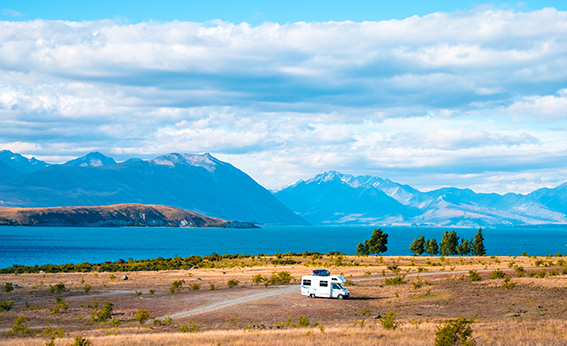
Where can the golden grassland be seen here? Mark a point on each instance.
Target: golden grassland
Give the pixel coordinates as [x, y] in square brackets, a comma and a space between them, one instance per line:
[437, 289]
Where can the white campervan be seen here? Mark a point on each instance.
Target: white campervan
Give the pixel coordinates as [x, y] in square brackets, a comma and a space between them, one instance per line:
[328, 286]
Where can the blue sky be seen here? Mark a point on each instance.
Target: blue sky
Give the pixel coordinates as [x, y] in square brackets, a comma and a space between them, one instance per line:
[431, 94]
[252, 12]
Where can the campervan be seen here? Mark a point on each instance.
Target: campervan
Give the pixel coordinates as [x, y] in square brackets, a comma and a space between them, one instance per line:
[328, 286]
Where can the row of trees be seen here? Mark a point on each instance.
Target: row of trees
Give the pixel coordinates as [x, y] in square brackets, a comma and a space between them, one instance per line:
[450, 245]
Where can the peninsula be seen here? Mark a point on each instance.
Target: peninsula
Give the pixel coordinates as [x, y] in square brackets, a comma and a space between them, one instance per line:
[119, 215]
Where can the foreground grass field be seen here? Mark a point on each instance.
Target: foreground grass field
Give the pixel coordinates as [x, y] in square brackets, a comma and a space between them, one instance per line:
[524, 303]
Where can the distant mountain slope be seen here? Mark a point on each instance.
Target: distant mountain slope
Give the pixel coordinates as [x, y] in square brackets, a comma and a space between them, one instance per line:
[112, 215]
[13, 165]
[199, 183]
[335, 198]
[94, 159]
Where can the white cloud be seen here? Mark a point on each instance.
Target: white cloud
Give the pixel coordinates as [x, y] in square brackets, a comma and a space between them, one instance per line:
[448, 95]
[544, 108]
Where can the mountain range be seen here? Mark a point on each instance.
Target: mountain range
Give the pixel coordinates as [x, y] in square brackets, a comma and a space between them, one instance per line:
[199, 183]
[208, 186]
[340, 199]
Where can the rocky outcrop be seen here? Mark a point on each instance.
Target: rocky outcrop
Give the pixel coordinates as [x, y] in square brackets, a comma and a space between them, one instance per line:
[119, 215]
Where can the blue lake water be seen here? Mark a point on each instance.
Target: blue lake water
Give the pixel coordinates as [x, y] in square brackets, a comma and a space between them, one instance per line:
[58, 245]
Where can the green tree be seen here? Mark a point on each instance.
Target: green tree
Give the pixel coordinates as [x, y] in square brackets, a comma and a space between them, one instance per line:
[449, 243]
[464, 248]
[375, 245]
[362, 249]
[431, 247]
[418, 246]
[478, 244]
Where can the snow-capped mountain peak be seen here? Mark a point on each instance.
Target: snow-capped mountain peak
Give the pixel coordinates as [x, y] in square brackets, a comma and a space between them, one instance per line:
[94, 159]
[206, 160]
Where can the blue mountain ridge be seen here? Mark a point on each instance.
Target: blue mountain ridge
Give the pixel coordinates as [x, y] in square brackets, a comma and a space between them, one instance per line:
[13, 165]
[341, 199]
[198, 183]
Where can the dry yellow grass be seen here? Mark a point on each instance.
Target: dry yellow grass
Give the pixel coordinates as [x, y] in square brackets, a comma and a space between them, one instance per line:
[549, 333]
[532, 313]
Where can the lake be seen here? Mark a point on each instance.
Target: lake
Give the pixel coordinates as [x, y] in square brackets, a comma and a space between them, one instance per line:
[58, 245]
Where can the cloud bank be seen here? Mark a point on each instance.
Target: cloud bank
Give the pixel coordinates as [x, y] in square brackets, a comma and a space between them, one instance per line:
[475, 98]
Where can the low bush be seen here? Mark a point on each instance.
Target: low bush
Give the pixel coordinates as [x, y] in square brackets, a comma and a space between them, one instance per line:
[6, 304]
[520, 271]
[497, 274]
[507, 284]
[348, 283]
[106, 312]
[57, 288]
[232, 283]
[454, 333]
[142, 316]
[176, 286]
[190, 327]
[8, 287]
[303, 321]
[397, 280]
[20, 325]
[541, 274]
[80, 341]
[474, 275]
[389, 321]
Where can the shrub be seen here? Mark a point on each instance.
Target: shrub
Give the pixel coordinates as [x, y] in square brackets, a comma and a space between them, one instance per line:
[258, 278]
[474, 275]
[80, 341]
[419, 282]
[284, 277]
[395, 280]
[232, 283]
[389, 321]
[6, 304]
[57, 308]
[454, 333]
[303, 321]
[176, 286]
[506, 285]
[87, 288]
[58, 288]
[190, 327]
[106, 313]
[541, 274]
[195, 287]
[348, 283]
[53, 333]
[520, 271]
[142, 316]
[8, 287]
[20, 325]
[212, 287]
[497, 274]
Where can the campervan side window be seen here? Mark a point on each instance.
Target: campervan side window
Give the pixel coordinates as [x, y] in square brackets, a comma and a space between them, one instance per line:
[306, 282]
[324, 284]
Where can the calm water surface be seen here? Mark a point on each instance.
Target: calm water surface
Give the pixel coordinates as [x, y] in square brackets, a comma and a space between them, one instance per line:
[57, 245]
